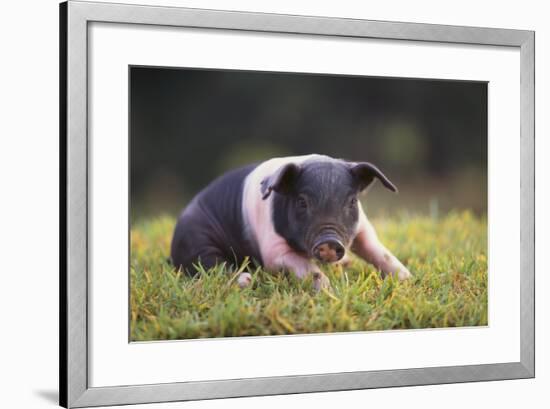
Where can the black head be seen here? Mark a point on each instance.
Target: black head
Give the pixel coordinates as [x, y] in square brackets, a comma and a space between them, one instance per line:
[315, 205]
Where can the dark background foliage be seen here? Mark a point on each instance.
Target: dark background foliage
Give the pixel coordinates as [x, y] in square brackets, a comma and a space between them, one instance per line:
[188, 126]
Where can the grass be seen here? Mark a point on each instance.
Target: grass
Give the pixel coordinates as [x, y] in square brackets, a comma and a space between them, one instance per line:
[447, 256]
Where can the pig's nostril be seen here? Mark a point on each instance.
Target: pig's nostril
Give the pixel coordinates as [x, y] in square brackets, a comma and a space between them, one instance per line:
[329, 251]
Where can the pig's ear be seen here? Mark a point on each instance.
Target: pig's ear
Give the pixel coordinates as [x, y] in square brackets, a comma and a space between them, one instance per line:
[281, 181]
[365, 173]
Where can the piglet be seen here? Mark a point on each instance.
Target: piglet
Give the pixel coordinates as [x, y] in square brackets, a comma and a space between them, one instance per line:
[284, 214]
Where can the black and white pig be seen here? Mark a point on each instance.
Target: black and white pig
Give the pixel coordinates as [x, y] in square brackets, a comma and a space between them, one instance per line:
[284, 213]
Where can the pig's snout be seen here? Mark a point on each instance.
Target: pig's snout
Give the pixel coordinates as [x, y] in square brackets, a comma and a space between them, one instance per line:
[329, 250]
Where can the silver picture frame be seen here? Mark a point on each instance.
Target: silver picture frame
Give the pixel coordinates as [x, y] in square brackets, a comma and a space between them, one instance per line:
[75, 16]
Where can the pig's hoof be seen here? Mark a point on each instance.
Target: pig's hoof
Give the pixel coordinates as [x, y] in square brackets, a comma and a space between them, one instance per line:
[320, 281]
[403, 274]
[244, 280]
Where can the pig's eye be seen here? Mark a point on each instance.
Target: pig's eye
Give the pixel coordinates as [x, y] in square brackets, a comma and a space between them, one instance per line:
[353, 202]
[301, 203]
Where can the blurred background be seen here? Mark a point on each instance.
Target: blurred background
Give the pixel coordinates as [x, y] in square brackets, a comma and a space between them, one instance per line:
[188, 126]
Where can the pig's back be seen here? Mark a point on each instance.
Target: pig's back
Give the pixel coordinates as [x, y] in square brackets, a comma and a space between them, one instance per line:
[219, 210]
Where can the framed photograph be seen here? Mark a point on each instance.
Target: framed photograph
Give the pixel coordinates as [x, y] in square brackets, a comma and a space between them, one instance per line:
[259, 204]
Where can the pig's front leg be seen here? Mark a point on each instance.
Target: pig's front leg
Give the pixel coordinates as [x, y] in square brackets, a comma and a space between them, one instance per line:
[367, 246]
[300, 266]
